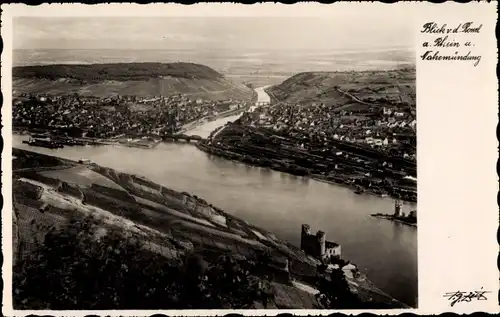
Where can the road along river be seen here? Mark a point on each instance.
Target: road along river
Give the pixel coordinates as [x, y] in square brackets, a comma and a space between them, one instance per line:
[385, 251]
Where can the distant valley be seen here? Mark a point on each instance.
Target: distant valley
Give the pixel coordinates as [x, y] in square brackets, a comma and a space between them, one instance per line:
[256, 67]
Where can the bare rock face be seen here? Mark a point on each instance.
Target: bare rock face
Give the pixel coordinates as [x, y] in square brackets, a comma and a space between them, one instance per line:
[204, 210]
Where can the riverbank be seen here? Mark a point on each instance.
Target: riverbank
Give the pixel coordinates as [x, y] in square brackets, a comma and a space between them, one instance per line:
[148, 142]
[299, 171]
[27, 131]
[344, 164]
[204, 225]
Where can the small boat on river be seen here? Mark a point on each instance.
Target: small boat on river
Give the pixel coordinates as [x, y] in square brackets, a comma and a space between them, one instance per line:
[46, 143]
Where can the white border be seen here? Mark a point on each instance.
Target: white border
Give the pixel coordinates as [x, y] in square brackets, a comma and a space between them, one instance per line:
[457, 147]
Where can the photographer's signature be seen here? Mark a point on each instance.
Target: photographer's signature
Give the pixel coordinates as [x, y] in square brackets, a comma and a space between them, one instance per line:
[461, 297]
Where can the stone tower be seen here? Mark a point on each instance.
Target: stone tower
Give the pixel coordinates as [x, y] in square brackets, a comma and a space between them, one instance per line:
[321, 236]
[397, 208]
[304, 237]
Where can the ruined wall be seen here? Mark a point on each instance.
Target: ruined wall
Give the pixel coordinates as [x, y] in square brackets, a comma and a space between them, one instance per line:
[311, 244]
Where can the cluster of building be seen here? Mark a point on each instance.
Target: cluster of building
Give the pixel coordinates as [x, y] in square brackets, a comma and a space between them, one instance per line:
[114, 116]
[391, 129]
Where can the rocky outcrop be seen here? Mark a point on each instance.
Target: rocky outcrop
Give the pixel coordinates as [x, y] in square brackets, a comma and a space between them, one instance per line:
[15, 237]
[194, 205]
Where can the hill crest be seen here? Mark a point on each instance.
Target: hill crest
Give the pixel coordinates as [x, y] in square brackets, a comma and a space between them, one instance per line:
[139, 79]
[347, 89]
[116, 71]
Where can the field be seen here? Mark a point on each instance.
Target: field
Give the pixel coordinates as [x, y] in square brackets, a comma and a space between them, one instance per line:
[348, 90]
[220, 89]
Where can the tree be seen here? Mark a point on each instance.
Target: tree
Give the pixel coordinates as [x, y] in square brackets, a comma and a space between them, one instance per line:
[80, 267]
[335, 292]
[232, 284]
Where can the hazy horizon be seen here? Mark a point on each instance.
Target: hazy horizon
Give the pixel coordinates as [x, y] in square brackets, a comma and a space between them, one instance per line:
[372, 49]
[233, 45]
[211, 33]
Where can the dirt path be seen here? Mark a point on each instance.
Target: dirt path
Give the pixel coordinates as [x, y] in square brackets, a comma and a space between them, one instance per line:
[356, 98]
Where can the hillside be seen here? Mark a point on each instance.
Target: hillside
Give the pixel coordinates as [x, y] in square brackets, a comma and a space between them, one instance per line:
[139, 79]
[103, 223]
[348, 90]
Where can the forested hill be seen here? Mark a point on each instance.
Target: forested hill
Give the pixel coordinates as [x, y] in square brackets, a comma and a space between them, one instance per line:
[140, 79]
[118, 72]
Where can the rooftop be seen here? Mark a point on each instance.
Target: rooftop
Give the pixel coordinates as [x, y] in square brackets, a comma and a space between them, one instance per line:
[330, 244]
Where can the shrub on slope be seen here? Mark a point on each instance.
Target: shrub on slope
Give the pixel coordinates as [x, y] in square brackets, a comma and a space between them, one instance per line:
[77, 268]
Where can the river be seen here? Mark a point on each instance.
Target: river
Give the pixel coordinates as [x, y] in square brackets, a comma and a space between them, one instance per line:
[385, 251]
[262, 96]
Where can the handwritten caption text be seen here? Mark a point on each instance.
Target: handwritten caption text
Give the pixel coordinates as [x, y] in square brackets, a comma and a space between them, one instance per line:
[450, 43]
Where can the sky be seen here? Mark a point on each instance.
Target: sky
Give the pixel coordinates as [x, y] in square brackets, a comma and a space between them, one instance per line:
[342, 29]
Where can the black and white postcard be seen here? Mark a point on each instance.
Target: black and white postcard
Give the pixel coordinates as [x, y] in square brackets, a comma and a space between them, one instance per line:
[258, 159]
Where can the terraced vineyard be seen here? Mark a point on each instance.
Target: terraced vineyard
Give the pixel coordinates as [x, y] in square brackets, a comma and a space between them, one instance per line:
[138, 79]
[167, 223]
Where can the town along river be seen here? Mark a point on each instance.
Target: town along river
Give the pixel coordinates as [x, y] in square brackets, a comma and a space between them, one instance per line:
[280, 203]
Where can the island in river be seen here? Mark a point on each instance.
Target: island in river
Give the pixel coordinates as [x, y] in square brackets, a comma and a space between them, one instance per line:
[399, 215]
[49, 192]
[402, 219]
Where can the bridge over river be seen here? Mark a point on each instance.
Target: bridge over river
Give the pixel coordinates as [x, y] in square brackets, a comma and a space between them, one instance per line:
[204, 130]
[263, 99]
[182, 138]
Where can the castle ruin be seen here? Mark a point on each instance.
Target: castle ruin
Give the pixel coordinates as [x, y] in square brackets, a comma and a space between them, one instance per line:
[317, 245]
